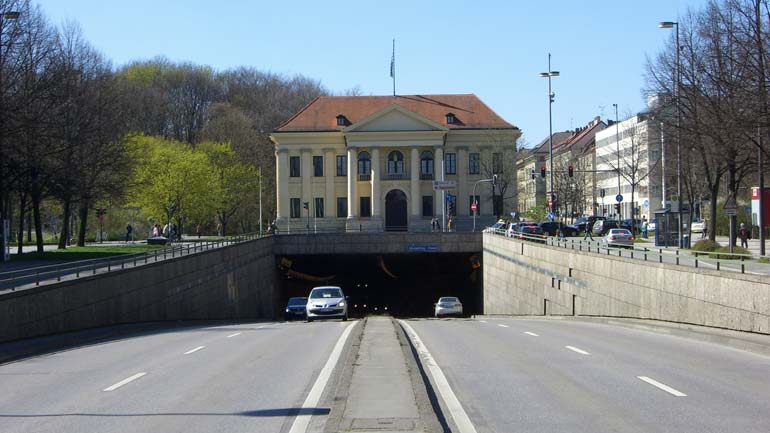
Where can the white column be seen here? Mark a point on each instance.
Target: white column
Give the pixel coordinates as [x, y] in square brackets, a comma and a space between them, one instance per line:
[352, 180]
[438, 158]
[414, 174]
[330, 172]
[375, 197]
[282, 180]
[463, 201]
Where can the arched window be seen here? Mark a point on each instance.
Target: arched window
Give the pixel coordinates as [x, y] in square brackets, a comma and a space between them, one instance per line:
[395, 162]
[426, 163]
[364, 163]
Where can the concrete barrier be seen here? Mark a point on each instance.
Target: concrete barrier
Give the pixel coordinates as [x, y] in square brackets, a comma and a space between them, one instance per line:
[525, 278]
[233, 282]
[377, 243]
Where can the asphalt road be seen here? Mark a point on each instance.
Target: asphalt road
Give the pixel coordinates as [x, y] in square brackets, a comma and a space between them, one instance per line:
[531, 375]
[237, 378]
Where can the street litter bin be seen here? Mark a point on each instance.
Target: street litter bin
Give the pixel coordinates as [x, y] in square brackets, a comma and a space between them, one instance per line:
[685, 241]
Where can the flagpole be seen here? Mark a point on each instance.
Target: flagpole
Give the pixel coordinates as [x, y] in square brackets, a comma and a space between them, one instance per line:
[393, 67]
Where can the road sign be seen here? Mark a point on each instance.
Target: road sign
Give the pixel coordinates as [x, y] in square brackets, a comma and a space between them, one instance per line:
[731, 211]
[646, 203]
[619, 198]
[473, 207]
[550, 216]
[444, 184]
[731, 204]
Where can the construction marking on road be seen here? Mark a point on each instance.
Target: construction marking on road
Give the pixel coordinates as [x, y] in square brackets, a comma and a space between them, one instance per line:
[575, 349]
[662, 386]
[234, 335]
[302, 421]
[531, 333]
[456, 410]
[125, 381]
[194, 350]
[504, 326]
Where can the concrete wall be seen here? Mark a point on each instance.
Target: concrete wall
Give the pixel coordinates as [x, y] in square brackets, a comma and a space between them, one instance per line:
[524, 278]
[235, 282]
[377, 243]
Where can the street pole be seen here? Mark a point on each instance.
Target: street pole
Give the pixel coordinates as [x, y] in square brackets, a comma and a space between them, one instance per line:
[668, 25]
[443, 199]
[617, 144]
[761, 212]
[663, 166]
[551, 96]
[260, 200]
[476, 201]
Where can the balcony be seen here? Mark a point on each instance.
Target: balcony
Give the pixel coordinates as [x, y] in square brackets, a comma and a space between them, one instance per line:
[395, 176]
[426, 176]
[364, 177]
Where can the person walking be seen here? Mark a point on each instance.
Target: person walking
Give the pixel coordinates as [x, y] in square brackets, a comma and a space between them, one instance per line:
[705, 232]
[129, 231]
[644, 228]
[743, 233]
[588, 232]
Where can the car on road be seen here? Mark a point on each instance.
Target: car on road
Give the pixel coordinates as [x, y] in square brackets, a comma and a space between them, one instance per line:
[697, 225]
[550, 228]
[651, 226]
[619, 238]
[526, 230]
[448, 306]
[295, 308]
[497, 227]
[326, 302]
[601, 227]
[581, 223]
[637, 224]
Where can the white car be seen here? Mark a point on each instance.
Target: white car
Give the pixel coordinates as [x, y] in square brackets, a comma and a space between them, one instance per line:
[326, 302]
[619, 238]
[651, 226]
[697, 226]
[448, 305]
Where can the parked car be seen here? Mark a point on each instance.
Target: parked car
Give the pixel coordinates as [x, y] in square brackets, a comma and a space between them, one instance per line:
[448, 306]
[550, 227]
[602, 226]
[295, 308]
[496, 227]
[697, 225]
[651, 226]
[326, 302]
[513, 228]
[581, 223]
[527, 231]
[619, 238]
[637, 224]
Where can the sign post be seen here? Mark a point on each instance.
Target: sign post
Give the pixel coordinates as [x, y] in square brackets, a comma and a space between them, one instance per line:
[731, 210]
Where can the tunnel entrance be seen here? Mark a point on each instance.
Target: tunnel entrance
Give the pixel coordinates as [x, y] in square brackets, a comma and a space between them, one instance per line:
[403, 285]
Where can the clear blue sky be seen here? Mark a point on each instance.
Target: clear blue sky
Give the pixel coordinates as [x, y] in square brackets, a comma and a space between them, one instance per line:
[494, 49]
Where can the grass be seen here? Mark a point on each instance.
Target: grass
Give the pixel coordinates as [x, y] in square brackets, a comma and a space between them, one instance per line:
[763, 260]
[723, 253]
[88, 252]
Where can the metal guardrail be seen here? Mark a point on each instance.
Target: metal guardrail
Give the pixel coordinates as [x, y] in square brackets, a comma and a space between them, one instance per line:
[661, 255]
[12, 280]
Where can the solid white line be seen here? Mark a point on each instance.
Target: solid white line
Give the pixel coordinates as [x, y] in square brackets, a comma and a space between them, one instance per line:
[575, 349]
[662, 386]
[234, 335]
[503, 326]
[456, 410]
[125, 381]
[194, 350]
[531, 333]
[302, 421]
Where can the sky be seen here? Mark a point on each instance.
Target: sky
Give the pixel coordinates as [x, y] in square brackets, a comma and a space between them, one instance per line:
[494, 49]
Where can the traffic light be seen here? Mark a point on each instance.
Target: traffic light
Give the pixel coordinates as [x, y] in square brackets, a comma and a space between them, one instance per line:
[571, 171]
[306, 205]
[542, 171]
[601, 193]
[451, 208]
[617, 208]
[533, 173]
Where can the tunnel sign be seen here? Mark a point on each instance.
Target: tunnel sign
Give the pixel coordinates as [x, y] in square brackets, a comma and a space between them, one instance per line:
[444, 184]
[423, 248]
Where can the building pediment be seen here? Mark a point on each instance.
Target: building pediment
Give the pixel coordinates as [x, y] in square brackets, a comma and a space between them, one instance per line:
[396, 119]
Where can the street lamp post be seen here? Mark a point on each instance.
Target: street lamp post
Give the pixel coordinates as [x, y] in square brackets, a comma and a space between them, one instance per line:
[476, 202]
[551, 95]
[668, 25]
[617, 144]
[5, 225]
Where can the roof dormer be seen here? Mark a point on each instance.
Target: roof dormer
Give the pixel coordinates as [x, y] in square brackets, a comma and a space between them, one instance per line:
[342, 120]
[450, 119]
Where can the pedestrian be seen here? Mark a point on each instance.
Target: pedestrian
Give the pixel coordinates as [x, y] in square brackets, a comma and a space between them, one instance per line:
[588, 232]
[450, 224]
[129, 231]
[705, 232]
[199, 230]
[743, 233]
[433, 224]
[645, 228]
[155, 231]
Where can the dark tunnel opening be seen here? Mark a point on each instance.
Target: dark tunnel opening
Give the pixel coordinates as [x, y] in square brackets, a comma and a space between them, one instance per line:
[402, 285]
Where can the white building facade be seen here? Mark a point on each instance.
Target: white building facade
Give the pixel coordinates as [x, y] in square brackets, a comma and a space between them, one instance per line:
[368, 163]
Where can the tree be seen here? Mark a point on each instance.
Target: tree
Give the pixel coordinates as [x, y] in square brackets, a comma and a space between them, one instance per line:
[501, 162]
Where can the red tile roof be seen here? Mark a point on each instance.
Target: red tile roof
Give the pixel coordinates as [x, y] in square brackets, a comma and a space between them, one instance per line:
[321, 113]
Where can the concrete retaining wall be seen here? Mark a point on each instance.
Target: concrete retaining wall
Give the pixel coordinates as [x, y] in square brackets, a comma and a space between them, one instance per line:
[525, 278]
[377, 243]
[234, 282]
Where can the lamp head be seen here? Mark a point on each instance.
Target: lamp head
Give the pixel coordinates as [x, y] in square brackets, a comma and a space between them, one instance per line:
[666, 24]
[11, 15]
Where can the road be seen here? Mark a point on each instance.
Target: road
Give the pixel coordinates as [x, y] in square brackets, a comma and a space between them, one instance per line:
[514, 375]
[238, 378]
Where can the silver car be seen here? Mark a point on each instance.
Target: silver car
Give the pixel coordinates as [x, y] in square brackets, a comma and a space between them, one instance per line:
[326, 302]
[448, 305]
[619, 238]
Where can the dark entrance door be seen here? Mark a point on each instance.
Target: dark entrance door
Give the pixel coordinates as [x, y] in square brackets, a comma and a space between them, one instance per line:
[395, 211]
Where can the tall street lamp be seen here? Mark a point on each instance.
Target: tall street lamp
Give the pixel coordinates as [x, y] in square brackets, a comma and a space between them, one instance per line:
[551, 95]
[5, 225]
[668, 25]
[617, 145]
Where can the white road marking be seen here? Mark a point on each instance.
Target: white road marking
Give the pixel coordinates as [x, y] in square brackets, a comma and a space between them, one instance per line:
[503, 326]
[575, 349]
[302, 421]
[234, 335]
[456, 410]
[194, 350]
[662, 386]
[125, 381]
[483, 321]
[531, 333]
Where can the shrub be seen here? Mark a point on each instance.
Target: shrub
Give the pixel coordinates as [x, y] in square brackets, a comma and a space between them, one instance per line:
[726, 250]
[706, 245]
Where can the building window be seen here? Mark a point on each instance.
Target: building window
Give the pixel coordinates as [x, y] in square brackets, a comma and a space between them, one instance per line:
[319, 207]
[473, 163]
[366, 206]
[318, 166]
[342, 120]
[294, 166]
[451, 163]
[427, 205]
[342, 207]
[364, 163]
[475, 199]
[450, 118]
[342, 165]
[426, 165]
[295, 209]
[497, 163]
[395, 162]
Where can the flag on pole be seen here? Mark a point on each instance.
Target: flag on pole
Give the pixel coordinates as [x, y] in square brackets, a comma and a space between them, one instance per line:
[393, 61]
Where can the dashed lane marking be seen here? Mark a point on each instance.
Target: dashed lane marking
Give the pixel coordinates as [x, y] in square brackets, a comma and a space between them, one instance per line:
[503, 326]
[662, 386]
[575, 349]
[125, 381]
[531, 333]
[234, 335]
[194, 350]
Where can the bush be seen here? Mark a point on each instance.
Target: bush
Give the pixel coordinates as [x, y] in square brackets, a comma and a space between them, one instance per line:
[726, 251]
[706, 245]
